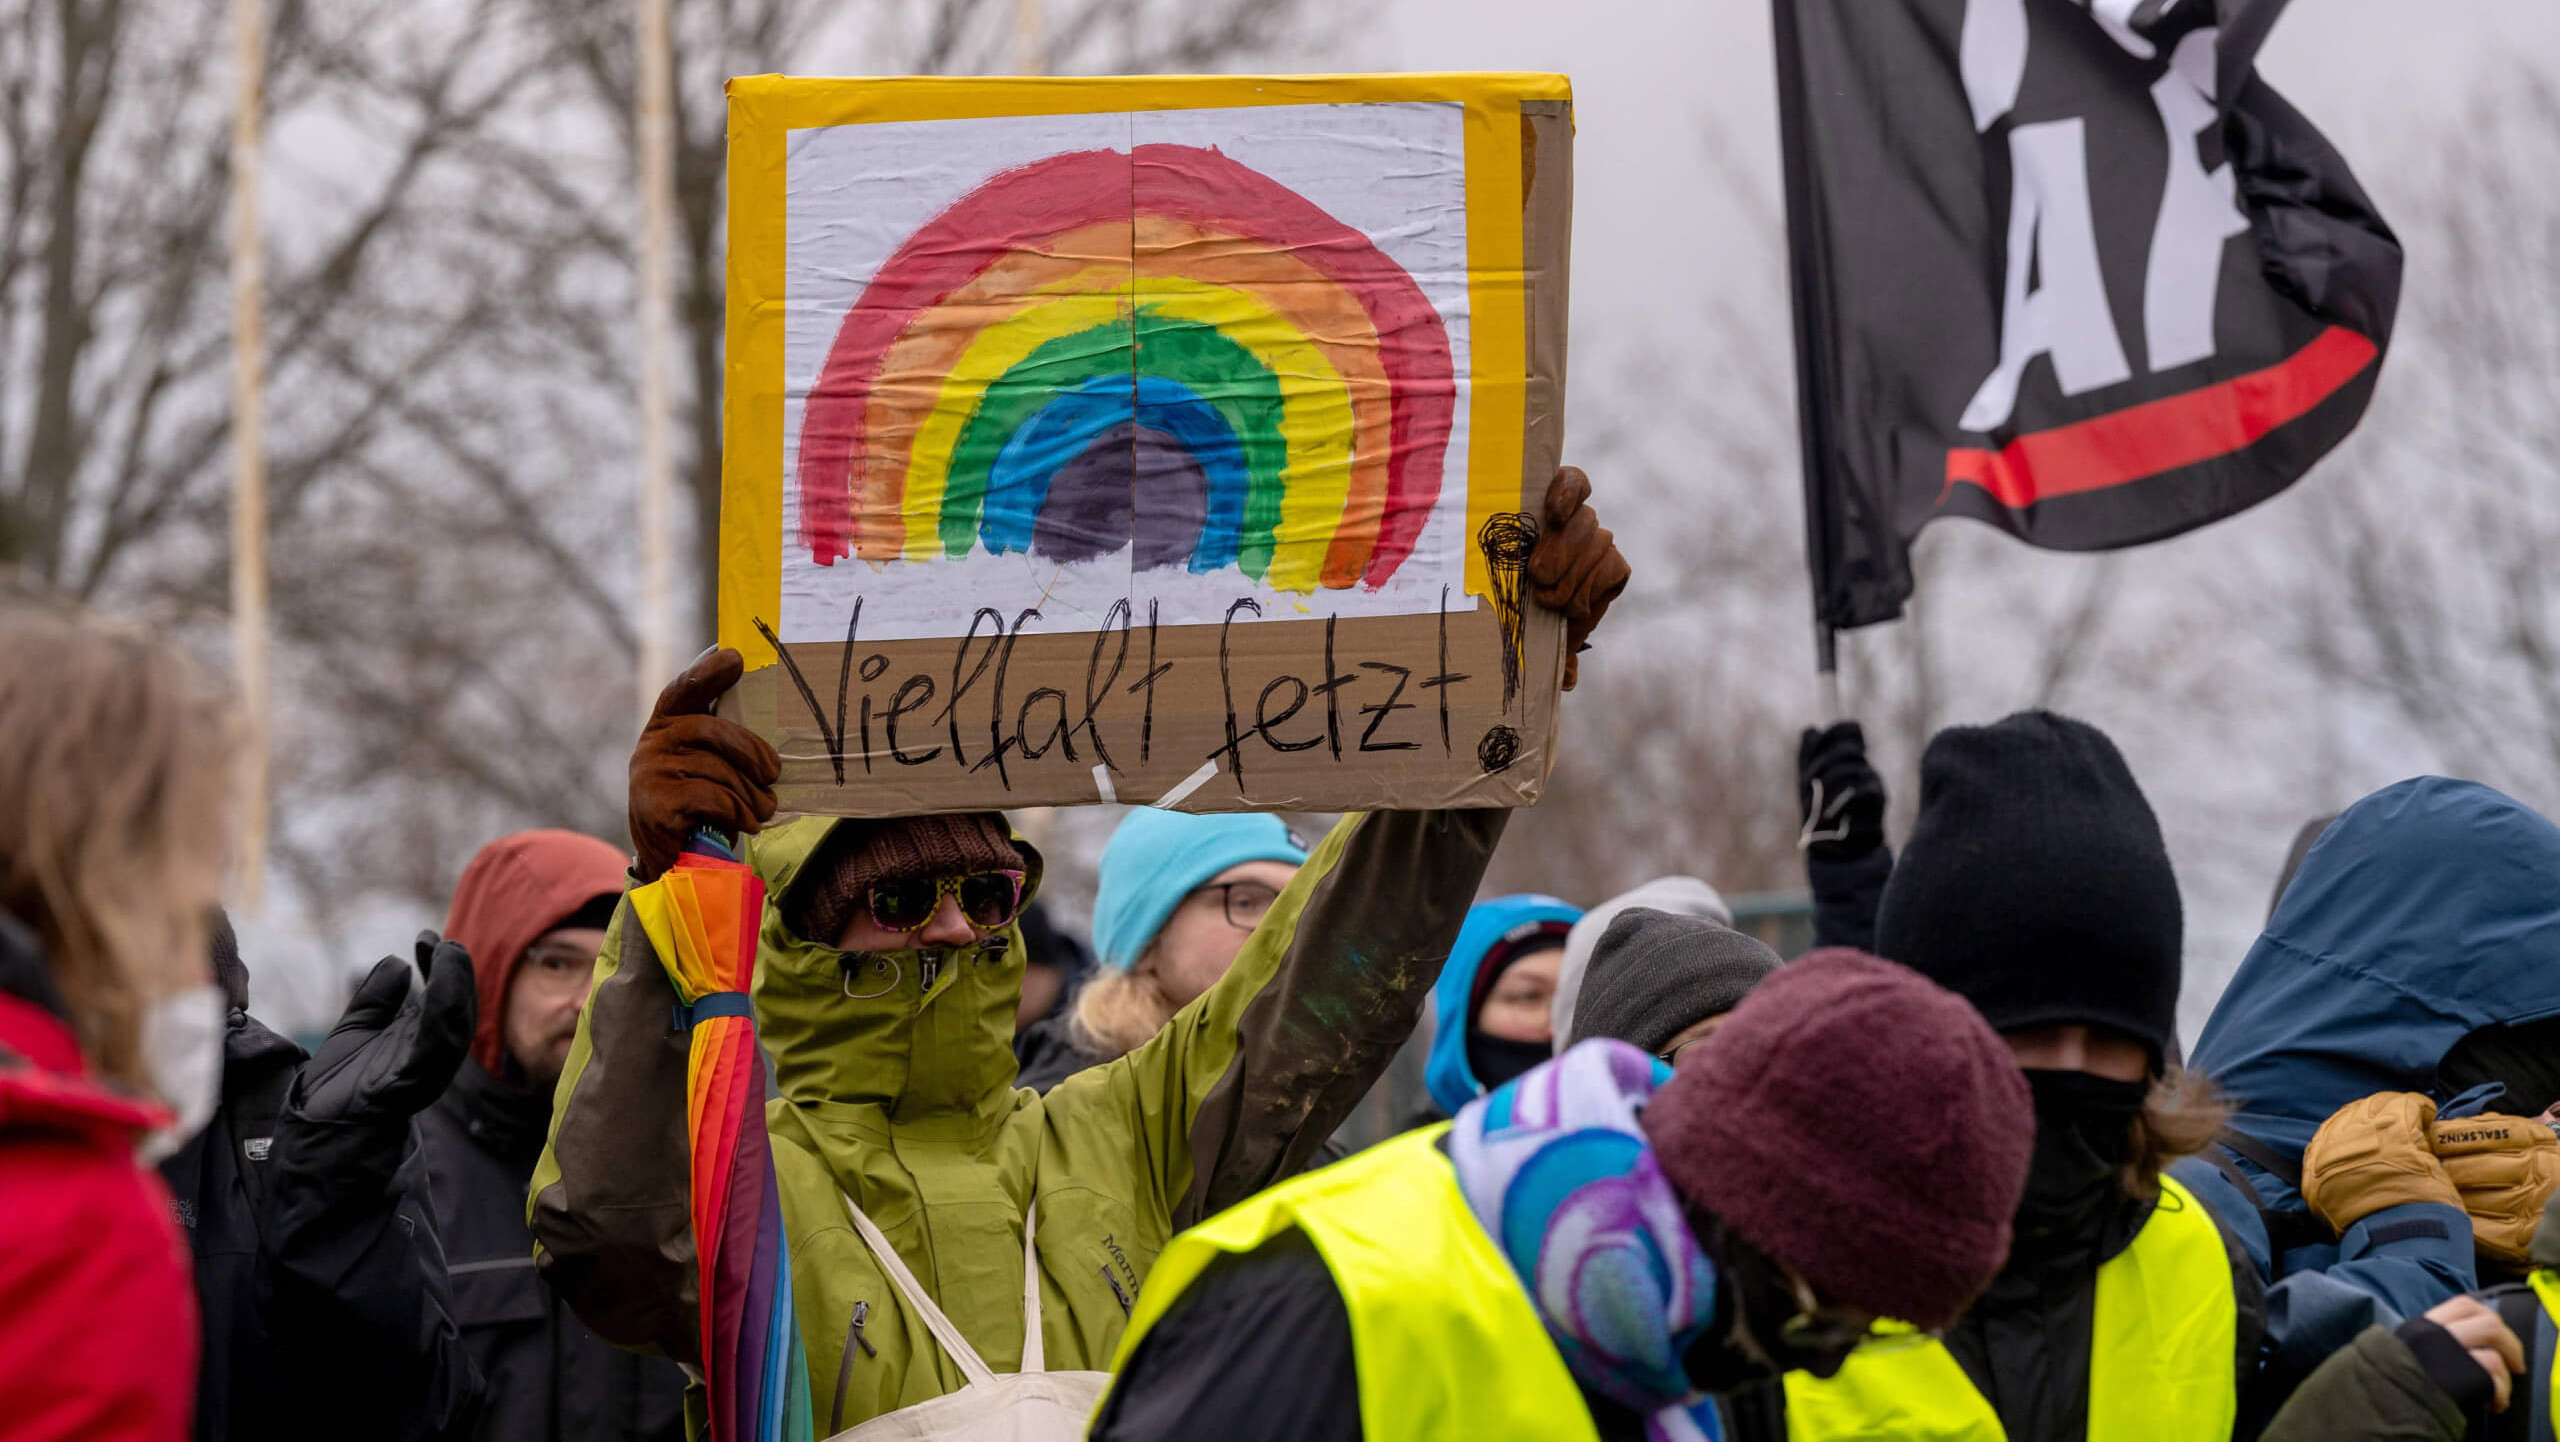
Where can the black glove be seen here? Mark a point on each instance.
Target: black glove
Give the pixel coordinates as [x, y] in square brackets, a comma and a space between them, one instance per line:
[1839, 794]
[393, 1052]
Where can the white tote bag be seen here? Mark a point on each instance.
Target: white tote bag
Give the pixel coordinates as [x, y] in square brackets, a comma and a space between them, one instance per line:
[1032, 1405]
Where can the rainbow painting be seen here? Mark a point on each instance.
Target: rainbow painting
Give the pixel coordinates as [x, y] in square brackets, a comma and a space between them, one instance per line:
[1170, 358]
[1163, 350]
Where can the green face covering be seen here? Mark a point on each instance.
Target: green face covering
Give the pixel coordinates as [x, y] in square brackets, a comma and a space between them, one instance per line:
[931, 1027]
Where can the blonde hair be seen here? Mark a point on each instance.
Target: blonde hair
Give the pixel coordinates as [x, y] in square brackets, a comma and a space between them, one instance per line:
[113, 797]
[2183, 1114]
[1117, 1012]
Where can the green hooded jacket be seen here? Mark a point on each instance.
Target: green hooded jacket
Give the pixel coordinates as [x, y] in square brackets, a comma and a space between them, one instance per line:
[896, 1077]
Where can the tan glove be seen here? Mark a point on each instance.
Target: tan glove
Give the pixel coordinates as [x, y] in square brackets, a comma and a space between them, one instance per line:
[2505, 1168]
[2372, 1154]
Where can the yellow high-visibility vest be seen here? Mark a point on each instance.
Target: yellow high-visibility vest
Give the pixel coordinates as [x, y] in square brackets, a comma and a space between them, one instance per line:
[1446, 1342]
[2162, 1355]
[2546, 1285]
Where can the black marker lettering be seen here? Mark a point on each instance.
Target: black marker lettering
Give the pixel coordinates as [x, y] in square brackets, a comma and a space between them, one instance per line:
[1234, 749]
[1263, 720]
[1061, 734]
[1378, 714]
[1147, 683]
[899, 706]
[1095, 695]
[960, 688]
[1332, 684]
[1445, 678]
[833, 736]
[844, 677]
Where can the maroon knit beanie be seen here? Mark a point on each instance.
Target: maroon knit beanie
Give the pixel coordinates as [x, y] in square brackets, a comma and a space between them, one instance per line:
[835, 884]
[1861, 1124]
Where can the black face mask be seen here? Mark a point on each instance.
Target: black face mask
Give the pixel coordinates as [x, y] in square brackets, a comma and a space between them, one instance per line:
[2084, 1135]
[1496, 1060]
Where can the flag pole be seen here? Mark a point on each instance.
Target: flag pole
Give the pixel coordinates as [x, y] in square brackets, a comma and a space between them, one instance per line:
[656, 131]
[1820, 526]
[248, 443]
[1826, 676]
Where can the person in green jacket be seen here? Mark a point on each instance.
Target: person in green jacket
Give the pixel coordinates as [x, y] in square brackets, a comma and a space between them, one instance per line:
[892, 1055]
[2476, 1368]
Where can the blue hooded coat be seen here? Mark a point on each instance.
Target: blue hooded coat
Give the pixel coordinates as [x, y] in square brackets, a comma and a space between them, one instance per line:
[2426, 911]
[1492, 928]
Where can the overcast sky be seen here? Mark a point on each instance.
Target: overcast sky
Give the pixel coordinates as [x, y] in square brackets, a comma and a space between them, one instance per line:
[1653, 78]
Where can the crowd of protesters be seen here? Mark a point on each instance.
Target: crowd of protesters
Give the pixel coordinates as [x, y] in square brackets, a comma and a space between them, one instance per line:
[1949, 1175]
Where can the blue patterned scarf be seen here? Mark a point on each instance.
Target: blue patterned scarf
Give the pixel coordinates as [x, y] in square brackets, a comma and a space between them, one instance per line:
[1558, 1171]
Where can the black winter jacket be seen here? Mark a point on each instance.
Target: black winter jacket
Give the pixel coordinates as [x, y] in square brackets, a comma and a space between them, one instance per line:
[550, 1379]
[1046, 1054]
[349, 1319]
[1846, 896]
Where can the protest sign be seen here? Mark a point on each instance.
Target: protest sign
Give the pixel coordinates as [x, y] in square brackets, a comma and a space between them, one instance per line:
[1167, 440]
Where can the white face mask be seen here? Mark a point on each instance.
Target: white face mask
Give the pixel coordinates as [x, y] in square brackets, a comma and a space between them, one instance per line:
[182, 1048]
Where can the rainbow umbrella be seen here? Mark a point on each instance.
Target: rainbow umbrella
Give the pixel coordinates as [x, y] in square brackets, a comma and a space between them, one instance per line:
[702, 916]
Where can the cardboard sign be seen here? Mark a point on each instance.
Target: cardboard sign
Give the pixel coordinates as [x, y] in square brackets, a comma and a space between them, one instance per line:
[1173, 441]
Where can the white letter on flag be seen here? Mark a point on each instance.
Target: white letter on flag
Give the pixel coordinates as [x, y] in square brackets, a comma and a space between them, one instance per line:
[2052, 234]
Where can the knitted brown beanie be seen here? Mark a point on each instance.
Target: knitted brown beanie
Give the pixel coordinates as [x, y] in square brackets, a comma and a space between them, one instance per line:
[1861, 1125]
[835, 885]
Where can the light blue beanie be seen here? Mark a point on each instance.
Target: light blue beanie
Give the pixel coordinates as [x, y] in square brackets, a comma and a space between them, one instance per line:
[1157, 858]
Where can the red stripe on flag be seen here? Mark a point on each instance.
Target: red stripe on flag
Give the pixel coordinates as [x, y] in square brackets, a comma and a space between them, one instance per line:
[2163, 435]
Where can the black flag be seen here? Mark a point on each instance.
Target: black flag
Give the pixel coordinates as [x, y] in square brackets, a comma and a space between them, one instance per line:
[2065, 266]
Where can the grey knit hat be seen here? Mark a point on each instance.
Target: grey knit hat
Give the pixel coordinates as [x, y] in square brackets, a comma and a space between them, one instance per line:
[1654, 975]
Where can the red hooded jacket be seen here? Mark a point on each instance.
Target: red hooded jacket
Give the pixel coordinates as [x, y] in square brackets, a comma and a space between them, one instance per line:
[97, 1296]
[516, 889]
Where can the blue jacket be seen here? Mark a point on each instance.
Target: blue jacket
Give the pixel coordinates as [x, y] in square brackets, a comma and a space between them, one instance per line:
[2427, 910]
[1448, 1075]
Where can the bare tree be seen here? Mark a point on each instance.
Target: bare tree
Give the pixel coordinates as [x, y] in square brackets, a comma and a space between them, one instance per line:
[487, 549]
[2429, 582]
[113, 331]
[451, 396]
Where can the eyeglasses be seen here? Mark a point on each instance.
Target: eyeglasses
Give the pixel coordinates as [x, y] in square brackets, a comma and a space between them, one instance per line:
[1245, 902]
[988, 899]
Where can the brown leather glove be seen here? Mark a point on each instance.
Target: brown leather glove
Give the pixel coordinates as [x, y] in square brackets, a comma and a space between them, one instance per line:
[1575, 569]
[2372, 1154]
[2505, 1168]
[693, 769]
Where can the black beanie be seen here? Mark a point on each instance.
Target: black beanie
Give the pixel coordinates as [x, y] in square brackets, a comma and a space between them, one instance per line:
[2035, 884]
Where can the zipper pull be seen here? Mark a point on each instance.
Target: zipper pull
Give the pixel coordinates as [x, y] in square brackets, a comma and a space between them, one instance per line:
[862, 1314]
[932, 968]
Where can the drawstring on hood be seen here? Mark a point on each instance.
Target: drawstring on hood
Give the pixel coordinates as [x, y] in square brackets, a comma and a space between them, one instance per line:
[942, 1017]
